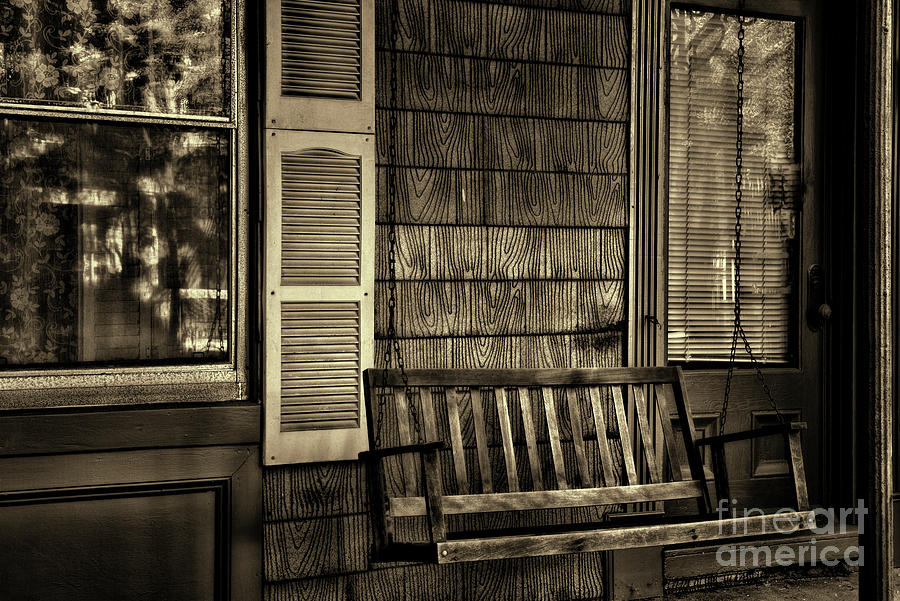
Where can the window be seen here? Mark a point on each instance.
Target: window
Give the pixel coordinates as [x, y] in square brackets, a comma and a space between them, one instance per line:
[701, 236]
[117, 183]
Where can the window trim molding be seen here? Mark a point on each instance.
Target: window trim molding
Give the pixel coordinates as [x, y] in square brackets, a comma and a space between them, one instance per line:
[647, 240]
[226, 380]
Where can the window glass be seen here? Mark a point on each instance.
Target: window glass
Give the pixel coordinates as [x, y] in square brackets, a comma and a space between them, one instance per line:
[162, 56]
[114, 242]
[703, 135]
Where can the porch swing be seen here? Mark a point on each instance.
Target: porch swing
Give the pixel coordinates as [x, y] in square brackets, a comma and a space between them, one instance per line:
[439, 413]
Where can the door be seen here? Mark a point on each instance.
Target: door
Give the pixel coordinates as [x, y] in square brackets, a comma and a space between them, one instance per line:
[780, 238]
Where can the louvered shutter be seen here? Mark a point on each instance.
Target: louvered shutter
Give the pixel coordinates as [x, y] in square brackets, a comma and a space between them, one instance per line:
[320, 57]
[702, 140]
[319, 278]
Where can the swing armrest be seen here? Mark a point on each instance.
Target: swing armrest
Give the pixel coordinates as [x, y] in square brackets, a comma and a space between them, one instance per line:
[402, 450]
[754, 433]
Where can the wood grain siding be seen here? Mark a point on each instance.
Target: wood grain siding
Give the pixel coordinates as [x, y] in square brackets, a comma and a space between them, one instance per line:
[512, 212]
[511, 171]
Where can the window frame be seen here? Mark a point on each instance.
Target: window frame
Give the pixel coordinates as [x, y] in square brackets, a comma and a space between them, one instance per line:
[781, 11]
[225, 380]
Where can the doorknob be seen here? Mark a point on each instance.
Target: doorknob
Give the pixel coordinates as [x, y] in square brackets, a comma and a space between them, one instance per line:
[818, 311]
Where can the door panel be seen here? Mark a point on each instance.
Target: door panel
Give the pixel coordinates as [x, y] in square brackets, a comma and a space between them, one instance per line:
[128, 522]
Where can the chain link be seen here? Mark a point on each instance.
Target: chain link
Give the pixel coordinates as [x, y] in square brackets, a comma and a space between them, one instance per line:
[738, 330]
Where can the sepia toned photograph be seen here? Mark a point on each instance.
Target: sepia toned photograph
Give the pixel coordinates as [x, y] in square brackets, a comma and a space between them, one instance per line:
[449, 300]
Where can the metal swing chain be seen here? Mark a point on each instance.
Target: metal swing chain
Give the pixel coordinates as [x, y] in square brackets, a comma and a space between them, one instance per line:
[392, 349]
[738, 330]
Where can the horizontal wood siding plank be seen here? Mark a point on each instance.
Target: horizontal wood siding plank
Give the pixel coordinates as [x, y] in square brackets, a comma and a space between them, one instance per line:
[505, 253]
[330, 588]
[483, 86]
[506, 143]
[314, 490]
[440, 196]
[427, 309]
[316, 547]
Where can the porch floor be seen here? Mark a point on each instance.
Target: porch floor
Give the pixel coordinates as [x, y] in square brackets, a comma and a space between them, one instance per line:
[787, 587]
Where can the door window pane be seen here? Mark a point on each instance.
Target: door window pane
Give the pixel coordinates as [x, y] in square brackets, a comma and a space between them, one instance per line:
[114, 242]
[703, 134]
[162, 56]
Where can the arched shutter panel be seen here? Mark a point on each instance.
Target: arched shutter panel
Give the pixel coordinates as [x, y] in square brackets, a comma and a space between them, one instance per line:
[318, 286]
[320, 65]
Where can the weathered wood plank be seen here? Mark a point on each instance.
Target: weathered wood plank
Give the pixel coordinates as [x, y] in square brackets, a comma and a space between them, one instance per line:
[429, 196]
[413, 252]
[458, 140]
[641, 412]
[559, 465]
[408, 461]
[798, 471]
[315, 547]
[504, 253]
[527, 377]
[624, 435]
[456, 441]
[484, 462]
[509, 453]
[447, 196]
[599, 414]
[508, 308]
[587, 39]
[425, 82]
[427, 404]
[503, 32]
[665, 403]
[313, 490]
[416, 25]
[686, 418]
[422, 352]
[575, 424]
[610, 538]
[328, 588]
[434, 506]
[550, 499]
[534, 460]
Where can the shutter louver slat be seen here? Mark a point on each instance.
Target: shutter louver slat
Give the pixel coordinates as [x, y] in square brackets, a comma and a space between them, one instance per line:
[702, 133]
[321, 48]
[309, 401]
[313, 226]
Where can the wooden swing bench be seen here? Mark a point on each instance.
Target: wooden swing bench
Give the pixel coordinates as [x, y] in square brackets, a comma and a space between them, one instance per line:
[574, 407]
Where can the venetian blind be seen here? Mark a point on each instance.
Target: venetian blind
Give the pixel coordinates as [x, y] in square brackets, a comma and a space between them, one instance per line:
[703, 133]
